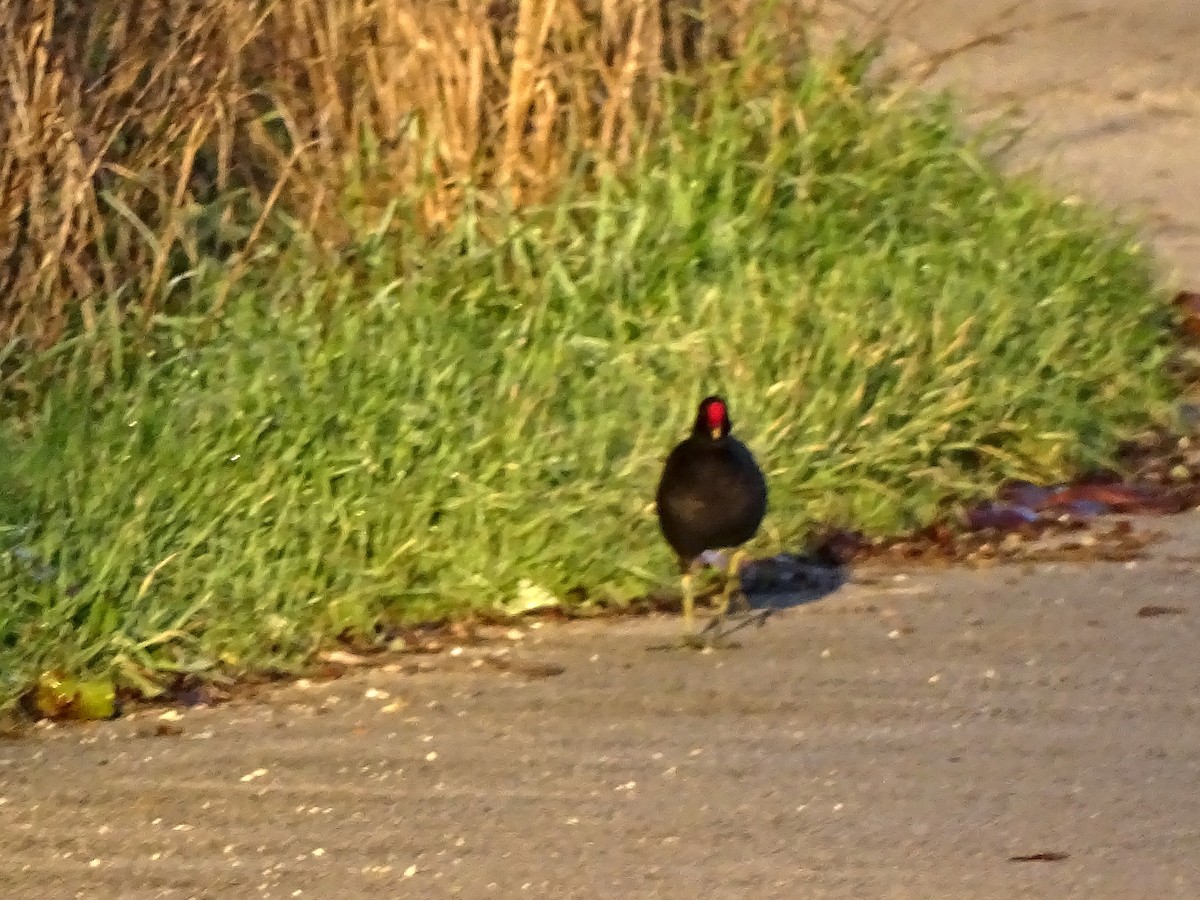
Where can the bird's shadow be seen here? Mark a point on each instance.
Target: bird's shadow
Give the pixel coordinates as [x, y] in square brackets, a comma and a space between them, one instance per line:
[778, 583]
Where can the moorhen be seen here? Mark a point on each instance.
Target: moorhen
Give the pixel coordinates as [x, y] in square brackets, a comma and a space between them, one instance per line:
[712, 496]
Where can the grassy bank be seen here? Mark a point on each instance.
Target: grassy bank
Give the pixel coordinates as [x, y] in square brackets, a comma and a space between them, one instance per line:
[413, 432]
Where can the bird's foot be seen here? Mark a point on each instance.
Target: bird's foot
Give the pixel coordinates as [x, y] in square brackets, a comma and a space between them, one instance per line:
[723, 625]
[715, 637]
[702, 641]
[692, 641]
[719, 642]
[710, 639]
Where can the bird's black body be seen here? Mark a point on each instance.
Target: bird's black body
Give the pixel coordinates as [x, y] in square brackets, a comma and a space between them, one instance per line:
[712, 494]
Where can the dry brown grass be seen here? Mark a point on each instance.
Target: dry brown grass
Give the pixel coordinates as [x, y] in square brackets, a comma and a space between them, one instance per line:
[138, 139]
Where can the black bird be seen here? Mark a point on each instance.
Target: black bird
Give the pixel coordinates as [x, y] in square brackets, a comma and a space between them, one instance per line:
[712, 496]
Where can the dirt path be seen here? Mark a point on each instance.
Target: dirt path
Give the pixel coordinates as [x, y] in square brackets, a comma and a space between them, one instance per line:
[895, 740]
[904, 739]
[1109, 90]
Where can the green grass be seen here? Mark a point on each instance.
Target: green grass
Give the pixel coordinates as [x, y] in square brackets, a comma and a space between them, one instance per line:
[896, 325]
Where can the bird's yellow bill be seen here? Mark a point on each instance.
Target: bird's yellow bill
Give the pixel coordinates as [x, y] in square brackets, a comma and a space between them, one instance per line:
[716, 433]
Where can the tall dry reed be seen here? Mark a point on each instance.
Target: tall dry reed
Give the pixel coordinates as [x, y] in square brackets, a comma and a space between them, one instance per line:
[137, 140]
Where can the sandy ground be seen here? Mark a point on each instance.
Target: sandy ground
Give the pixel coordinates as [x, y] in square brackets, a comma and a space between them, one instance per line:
[1108, 90]
[902, 739]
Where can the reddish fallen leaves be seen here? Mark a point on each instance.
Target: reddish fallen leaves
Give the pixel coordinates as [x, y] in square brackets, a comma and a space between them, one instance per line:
[1000, 517]
[160, 730]
[1187, 305]
[1161, 477]
[526, 668]
[1015, 539]
[1101, 495]
[1023, 504]
[1049, 856]
[1151, 611]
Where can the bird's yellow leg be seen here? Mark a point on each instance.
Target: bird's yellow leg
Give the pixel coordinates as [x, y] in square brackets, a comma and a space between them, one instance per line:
[733, 585]
[687, 581]
[689, 602]
[690, 638]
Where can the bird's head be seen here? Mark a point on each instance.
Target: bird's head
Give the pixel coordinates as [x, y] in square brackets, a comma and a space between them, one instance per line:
[712, 418]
